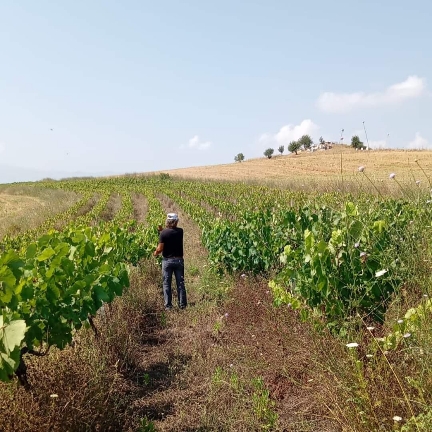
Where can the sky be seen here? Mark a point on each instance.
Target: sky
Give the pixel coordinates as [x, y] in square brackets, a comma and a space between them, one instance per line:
[101, 87]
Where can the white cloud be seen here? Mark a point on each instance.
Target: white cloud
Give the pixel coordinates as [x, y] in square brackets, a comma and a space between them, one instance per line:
[412, 87]
[195, 143]
[2, 147]
[419, 142]
[290, 133]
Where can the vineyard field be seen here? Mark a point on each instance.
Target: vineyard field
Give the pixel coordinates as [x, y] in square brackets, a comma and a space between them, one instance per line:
[343, 261]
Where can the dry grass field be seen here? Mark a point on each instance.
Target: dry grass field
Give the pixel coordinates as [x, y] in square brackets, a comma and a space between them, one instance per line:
[340, 162]
[23, 206]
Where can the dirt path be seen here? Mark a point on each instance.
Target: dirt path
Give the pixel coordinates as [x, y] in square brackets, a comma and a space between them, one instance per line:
[207, 366]
[140, 205]
[168, 343]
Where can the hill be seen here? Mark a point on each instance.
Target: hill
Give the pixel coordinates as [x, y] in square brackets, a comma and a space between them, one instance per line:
[323, 165]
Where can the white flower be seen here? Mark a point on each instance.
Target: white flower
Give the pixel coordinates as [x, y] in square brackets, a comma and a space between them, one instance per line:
[243, 275]
[370, 328]
[54, 396]
[397, 418]
[226, 315]
[352, 345]
[418, 182]
[357, 245]
[361, 168]
[425, 295]
[369, 355]
[362, 254]
[407, 335]
[380, 273]
[392, 175]
[231, 365]
[400, 321]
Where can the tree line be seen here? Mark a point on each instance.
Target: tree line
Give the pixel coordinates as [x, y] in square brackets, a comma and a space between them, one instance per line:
[303, 143]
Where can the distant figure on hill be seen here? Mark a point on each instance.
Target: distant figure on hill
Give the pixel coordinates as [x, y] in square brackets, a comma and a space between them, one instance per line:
[171, 247]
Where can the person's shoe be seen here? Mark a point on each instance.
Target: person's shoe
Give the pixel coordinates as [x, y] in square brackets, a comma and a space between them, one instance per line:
[168, 308]
[182, 307]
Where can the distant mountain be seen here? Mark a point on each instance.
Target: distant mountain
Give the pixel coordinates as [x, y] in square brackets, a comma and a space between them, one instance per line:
[9, 174]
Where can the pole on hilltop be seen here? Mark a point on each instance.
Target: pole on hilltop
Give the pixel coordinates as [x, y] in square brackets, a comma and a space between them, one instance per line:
[366, 135]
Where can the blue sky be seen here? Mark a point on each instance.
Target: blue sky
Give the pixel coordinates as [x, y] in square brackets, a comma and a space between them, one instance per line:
[138, 86]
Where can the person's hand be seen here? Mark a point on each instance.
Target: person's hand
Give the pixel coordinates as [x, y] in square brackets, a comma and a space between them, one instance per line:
[155, 253]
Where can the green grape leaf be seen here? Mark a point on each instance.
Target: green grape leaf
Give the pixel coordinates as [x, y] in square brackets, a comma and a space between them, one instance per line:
[46, 254]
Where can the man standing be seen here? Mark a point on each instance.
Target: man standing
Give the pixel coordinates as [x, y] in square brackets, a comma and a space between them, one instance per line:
[171, 247]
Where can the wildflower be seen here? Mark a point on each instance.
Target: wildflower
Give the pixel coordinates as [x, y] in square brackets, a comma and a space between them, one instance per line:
[357, 245]
[243, 275]
[392, 176]
[400, 321]
[418, 182]
[370, 328]
[397, 418]
[231, 365]
[380, 273]
[369, 355]
[362, 254]
[407, 335]
[226, 315]
[425, 295]
[54, 396]
[352, 345]
[361, 168]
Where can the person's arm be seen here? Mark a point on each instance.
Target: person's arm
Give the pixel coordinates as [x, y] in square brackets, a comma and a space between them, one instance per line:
[159, 249]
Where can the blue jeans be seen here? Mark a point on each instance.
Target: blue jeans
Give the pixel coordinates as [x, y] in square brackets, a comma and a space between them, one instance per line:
[176, 266]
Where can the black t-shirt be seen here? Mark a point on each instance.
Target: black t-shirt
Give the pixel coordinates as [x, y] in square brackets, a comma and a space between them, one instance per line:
[172, 238]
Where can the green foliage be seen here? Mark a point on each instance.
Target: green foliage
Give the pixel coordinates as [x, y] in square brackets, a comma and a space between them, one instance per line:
[419, 423]
[269, 153]
[12, 332]
[146, 425]
[356, 143]
[263, 406]
[239, 157]
[164, 176]
[294, 146]
[281, 149]
[407, 327]
[306, 142]
[345, 264]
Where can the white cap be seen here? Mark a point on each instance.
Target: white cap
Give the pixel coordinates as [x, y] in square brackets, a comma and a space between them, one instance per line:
[172, 217]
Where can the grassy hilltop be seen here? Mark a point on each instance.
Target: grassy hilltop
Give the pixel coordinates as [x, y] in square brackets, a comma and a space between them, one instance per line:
[323, 165]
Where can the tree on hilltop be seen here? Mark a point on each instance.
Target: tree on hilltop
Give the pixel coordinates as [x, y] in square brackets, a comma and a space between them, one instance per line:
[269, 153]
[281, 149]
[294, 147]
[239, 158]
[306, 142]
[356, 143]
